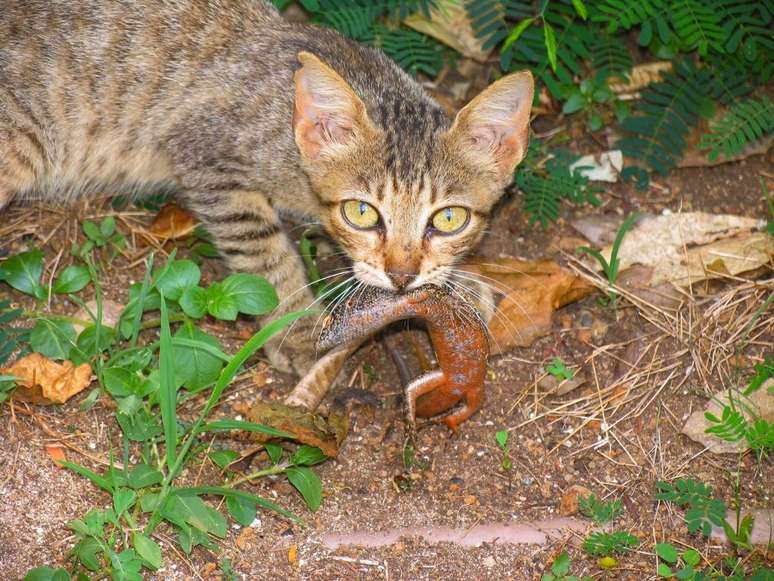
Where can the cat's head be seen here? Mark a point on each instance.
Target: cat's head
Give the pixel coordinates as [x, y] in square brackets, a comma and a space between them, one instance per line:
[403, 189]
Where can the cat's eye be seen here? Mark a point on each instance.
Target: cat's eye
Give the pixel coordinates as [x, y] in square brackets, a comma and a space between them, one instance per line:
[450, 220]
[360, 214]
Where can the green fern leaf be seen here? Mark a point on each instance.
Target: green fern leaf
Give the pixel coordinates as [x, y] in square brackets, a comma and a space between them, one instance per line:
[609, 56]
[747, 25]
[698, 26]
[413, 51]
[12, 339]
[626, 14]
[746, 122]
[353, 18]
[668, 110]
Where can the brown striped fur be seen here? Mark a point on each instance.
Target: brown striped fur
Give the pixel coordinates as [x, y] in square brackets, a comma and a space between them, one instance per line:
[197, 96]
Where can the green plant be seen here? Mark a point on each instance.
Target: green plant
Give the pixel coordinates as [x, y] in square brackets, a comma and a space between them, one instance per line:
[703, 509]
[560, 570]
[607, 544]
[558, 369]
[12, 339]
[668, 557]
[99, 237]
[501, 437]
[611, 268]
[600, 511]
[745, 122]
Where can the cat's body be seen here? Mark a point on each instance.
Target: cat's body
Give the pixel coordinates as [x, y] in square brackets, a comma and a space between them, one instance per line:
[198, 96]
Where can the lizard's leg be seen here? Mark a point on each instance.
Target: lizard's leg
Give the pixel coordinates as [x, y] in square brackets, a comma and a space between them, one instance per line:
[420, 386]
[474, 398]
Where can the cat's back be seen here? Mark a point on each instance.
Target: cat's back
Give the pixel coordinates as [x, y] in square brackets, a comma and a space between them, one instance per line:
[96, 85]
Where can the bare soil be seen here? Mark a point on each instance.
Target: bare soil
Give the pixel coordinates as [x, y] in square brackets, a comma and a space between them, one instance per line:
[455, 481]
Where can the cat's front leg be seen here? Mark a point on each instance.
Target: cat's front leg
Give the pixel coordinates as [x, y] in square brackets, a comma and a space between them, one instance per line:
[249, 235]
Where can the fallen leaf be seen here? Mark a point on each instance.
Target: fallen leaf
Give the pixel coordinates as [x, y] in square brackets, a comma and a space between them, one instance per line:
[172, 222]
[293, 555]
[568, 505]
[40, 380]
[760, 404]
[600, 167]
[554, 386]
[449, 22]
[532, 291]
[111, 313]
[307, 428]
[639, 77]
[694, 246]
[56, 453]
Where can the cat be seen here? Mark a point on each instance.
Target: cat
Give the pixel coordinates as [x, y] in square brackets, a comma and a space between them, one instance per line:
[248, 117]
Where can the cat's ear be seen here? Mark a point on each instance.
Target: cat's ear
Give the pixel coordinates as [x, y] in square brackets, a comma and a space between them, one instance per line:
[494, 126]
[328, 114]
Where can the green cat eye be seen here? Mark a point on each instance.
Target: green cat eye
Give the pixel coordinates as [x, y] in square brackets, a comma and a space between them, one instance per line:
[360, 214]
[450, 220]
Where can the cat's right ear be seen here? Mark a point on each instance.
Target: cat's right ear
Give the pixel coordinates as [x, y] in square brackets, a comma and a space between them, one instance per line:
[328, 115]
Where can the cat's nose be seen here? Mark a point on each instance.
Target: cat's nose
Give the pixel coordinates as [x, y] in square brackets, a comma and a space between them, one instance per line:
[401, 279]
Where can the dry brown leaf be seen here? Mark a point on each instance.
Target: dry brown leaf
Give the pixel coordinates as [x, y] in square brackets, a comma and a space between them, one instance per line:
[532, 291]
[40, 380]
[689, 247]
[56, 453]
[568, 505]
[449, 23]
[640, 77]
[172, 222]
[306, 427]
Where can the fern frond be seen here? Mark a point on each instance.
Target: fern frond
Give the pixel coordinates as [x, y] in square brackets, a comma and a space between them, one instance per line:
[747, 25]
[399, 9]
[746, 122]
[413, 51]
[698, 26]
[668, 110]
[353, 18]
[626, 13]
[609, 56]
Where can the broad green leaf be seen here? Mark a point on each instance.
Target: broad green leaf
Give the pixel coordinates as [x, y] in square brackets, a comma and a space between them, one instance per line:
[308, 484]
[108, 226]
[663, 570]
[308, 456]
[73, 278]
[692, 557]
[222, 458]
[123, 500]
[140, 426]
[47, 574]
[252, 294]
[195, 512]
[274, 451]
[93, 232]
[177, 277]
[23, 271]
[126, 566]
[231, 492]
[243, 511]
[502, 438]
[195, 367]
[580, 8]
[574, 103]
[53, 338]
[561, 566]
[148, 550]
[87, 340]
[142, 476]
[194, 302]
[120, 382]
[667, 552]
[221, 305]
[89, 553]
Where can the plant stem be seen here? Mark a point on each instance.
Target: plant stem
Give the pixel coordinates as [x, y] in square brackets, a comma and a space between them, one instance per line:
[277, 469]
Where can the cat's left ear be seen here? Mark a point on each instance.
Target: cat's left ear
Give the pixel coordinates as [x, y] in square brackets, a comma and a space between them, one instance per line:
[328, 115]
[494, 126]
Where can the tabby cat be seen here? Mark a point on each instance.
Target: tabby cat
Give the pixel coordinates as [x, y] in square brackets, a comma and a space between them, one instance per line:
[248, 118]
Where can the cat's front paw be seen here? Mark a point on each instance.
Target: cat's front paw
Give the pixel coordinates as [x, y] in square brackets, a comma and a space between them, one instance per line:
[295, 354]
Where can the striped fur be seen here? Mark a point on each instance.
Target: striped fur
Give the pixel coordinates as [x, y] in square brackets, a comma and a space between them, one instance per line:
[197, 96]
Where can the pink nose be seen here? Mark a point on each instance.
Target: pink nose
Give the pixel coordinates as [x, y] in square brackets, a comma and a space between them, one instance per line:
[401, 279]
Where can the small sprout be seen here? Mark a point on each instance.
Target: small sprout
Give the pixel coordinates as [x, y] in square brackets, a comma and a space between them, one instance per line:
[600, 511]
[502, 441]
[558, 369]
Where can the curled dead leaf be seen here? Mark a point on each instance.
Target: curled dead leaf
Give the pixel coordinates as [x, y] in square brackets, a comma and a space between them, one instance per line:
[449, 22]
[307, 428]
[56, 453]
[532, 291]
[40, 380]
[172, 222]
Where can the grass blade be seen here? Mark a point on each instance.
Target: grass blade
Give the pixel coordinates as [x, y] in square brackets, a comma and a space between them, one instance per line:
[246, 426]
[233, 493]
[167, 389]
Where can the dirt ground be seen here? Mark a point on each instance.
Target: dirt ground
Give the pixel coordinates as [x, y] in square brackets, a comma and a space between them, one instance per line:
[456, 482]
